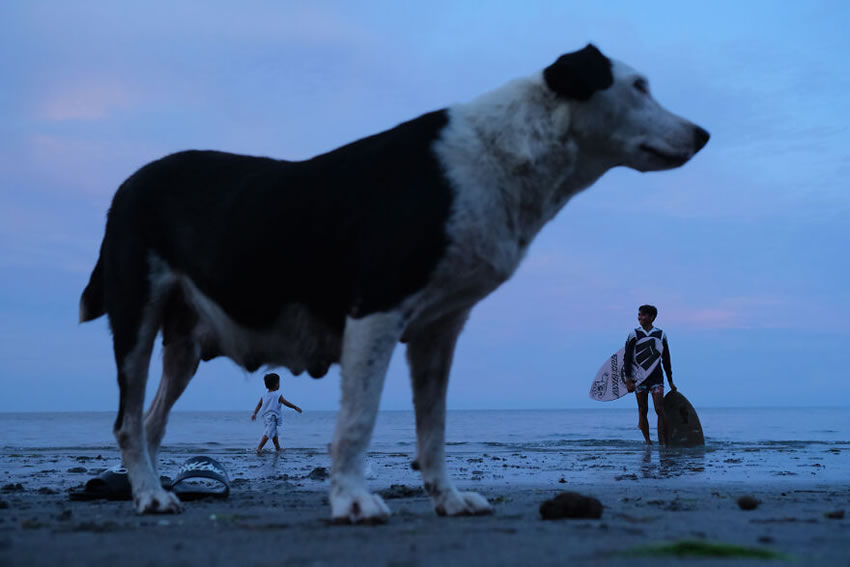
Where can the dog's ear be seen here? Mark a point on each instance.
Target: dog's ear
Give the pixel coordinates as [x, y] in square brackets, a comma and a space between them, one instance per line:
[579, 74]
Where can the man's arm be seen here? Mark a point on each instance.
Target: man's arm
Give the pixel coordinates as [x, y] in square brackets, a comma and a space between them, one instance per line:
[285, 402]
[628, 358]
[256, 409]
[665, 362]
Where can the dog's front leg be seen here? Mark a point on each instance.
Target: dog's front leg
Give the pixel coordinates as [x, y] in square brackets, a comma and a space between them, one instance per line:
[430, 357]
[368, 344]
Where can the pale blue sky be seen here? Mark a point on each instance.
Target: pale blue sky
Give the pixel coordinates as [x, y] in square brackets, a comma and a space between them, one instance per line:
[744, 250]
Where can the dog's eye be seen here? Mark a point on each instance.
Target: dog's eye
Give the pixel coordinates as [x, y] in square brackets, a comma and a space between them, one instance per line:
[642, 86]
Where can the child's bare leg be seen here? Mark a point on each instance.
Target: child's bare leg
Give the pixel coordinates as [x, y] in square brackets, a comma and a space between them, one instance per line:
[262, 443]
[658, 403]
[643, 409]
[276, 444]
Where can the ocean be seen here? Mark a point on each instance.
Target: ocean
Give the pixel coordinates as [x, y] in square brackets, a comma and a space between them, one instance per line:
[502, 447]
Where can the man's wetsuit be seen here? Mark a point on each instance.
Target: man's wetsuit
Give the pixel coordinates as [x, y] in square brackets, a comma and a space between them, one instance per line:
[648, 350]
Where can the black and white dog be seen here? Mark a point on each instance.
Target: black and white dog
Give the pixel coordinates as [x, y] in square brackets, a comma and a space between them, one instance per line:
[392, 238]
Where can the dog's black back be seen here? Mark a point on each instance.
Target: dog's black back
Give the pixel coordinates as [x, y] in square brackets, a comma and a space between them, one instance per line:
[347, 232]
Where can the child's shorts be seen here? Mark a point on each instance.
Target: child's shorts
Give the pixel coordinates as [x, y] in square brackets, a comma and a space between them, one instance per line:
[271, 422]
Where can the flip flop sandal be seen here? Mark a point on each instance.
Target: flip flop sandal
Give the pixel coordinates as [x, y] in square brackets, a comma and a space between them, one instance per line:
[201, 477]
[111, 484]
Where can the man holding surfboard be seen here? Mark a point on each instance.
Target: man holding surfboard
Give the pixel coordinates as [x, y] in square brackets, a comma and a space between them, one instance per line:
[646, 347]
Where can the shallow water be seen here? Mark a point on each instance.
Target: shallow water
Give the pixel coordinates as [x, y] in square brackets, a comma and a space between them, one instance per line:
[495, 447]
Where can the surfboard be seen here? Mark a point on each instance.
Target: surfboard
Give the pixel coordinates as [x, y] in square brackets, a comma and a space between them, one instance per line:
[610, 382]
[681, 421]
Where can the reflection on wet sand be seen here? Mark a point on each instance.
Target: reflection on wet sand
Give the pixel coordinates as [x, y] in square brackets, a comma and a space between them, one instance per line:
[671, 462]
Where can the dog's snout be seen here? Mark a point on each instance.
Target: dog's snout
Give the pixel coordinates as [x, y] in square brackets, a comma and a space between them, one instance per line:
[701, 137]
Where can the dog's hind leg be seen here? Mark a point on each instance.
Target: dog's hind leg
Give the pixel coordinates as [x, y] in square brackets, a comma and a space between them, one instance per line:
[148, 494]
[368, 344]
[134, 315]
[179, 364]
[181, 355]
[429, 355]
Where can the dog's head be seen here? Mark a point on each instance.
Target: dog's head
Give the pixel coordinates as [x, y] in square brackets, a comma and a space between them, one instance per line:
[614, 117]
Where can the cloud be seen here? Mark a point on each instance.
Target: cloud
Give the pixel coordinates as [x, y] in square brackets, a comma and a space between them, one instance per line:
[719, 317]
[89, 100]
[749, 312]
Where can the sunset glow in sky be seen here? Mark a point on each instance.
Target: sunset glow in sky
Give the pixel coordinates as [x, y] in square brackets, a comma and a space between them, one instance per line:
[744, 250]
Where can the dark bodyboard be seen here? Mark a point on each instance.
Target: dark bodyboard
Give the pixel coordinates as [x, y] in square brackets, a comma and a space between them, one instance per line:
[682, 422]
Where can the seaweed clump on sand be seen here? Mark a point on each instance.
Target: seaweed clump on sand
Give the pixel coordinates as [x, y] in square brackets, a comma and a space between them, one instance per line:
[702, 549]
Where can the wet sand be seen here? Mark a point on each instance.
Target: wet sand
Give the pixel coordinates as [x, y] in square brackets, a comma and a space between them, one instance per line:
[277, 515]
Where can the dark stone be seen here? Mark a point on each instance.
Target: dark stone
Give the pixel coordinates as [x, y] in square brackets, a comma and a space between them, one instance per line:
[318, 473]
[748, 502]
[401, 491]
[630, 476]
[571, 505]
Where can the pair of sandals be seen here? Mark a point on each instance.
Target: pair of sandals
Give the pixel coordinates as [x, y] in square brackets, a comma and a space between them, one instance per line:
[199, 477]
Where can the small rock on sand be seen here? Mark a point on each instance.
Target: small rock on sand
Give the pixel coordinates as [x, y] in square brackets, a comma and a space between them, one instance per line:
[748, 502]
[626, 477]
[318, 473]
[571, 505]
[401, 491]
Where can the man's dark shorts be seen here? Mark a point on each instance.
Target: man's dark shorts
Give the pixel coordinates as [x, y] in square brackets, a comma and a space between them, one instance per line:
[651, 388]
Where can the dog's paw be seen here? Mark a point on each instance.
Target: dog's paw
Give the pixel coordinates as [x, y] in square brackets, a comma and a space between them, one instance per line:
[454, 503]
[358, 507]
[157, 501]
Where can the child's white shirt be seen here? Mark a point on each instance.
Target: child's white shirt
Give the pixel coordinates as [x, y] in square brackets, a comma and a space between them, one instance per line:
[271, 403]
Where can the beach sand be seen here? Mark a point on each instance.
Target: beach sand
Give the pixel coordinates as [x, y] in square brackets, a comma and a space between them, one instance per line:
[284, 521]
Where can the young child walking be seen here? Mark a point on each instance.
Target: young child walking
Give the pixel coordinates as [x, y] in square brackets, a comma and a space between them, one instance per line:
[269, 408]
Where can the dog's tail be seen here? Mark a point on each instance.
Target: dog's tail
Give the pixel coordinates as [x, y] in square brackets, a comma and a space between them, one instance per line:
[92, 304]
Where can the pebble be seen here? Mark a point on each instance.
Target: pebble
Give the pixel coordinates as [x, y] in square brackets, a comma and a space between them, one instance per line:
[748, 502]
[318, 473]
[571, 505]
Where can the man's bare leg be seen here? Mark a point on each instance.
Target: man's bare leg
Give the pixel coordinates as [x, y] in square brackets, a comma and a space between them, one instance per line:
[643, 410]
[658, 403]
